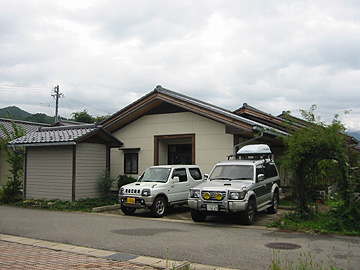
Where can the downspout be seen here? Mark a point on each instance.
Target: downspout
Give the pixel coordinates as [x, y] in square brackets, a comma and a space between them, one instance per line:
[248, 141]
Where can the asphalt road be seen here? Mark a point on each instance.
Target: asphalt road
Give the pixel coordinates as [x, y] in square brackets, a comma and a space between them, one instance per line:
[212, 243]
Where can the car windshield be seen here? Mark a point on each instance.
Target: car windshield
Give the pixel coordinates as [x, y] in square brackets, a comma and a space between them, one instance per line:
[232, 172]
[155, 175]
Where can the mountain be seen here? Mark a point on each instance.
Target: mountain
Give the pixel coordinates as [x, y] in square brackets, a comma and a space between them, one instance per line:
[19, 114]
[355, 134]
[15, 112]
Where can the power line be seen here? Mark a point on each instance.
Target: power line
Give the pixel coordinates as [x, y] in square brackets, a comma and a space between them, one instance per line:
[86, 105]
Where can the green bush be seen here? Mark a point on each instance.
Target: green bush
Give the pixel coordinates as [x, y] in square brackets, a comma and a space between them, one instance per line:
[11, 191]
[85, 205]
[344, 218]
[339, 219]
[124, 179]
[105, 183]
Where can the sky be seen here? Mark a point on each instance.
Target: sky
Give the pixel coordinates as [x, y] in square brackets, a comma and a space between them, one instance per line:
[105, 54]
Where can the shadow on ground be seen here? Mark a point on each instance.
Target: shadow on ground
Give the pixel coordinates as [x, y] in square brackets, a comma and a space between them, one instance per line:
[183, 213]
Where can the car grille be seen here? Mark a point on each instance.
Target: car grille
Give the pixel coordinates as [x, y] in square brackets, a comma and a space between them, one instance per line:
[213, 195]
[132, 191]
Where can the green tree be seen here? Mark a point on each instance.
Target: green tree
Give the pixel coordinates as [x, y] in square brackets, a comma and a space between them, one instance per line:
[82, 116]
[316, 156]
[85, 117]
[16, 160]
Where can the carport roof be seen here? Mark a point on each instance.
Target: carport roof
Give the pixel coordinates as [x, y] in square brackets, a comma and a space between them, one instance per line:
[67, 135]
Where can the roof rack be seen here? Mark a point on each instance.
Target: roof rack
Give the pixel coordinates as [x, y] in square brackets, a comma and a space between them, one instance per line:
[253, 151]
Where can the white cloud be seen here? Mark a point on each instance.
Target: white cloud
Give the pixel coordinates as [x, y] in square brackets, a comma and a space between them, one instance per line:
[273, 55]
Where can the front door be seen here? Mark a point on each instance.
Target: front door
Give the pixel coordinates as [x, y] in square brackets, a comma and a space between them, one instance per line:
[179, 154]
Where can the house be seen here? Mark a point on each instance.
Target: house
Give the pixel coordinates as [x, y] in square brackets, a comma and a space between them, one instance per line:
[28, 127]
[166, 127]
[65, 162]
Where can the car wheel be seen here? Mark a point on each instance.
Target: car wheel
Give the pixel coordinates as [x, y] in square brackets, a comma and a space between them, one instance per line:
[274, 204]
[159, 207]
[248, 216]
[197, 216]
[128, 210]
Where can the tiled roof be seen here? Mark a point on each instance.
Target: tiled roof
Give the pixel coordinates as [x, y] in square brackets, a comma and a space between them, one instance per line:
[61, 135]
[200, 104]
[27, 126]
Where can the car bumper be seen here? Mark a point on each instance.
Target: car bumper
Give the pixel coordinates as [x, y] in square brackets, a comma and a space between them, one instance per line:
[223, 206]
[140, 202]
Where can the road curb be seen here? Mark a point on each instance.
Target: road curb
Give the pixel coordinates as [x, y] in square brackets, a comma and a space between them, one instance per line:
[106, 208]
[111, 255]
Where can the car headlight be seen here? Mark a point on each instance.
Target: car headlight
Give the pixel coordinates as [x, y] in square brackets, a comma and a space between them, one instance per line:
[237, 195]
[146, 192]
[195, 193]
[121, 191]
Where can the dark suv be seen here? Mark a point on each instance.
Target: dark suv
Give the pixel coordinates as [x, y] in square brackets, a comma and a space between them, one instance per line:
[241, 186]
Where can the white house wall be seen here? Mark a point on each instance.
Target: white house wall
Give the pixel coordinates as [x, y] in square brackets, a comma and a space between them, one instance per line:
[49, 172]
[90, 165]
[212, 144]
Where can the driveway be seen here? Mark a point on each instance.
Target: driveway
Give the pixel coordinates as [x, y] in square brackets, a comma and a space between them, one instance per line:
[183, 213]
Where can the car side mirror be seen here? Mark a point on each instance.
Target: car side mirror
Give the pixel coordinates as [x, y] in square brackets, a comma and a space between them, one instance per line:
[176, 179]
[206, 177]
[260, 177]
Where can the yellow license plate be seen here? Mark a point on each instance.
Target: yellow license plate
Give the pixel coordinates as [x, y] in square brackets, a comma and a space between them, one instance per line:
[131, 200]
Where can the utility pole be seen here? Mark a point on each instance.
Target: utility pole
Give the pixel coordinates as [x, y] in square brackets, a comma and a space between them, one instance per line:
[56, 94]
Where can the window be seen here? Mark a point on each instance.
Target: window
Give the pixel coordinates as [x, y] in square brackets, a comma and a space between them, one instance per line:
[270, 170]
[195, 173]
[181, 173]
[131, 163]
[267, 169]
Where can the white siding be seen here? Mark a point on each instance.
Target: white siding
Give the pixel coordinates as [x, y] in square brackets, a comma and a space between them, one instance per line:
[90, 165]
[49, 172]
[212, 144]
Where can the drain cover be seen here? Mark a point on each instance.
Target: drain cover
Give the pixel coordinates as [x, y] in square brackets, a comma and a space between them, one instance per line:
[278, 245]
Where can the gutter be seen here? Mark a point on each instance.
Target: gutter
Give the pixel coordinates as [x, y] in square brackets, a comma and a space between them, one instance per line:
[41, 144]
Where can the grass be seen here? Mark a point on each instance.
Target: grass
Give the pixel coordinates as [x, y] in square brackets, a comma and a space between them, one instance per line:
[83, 205]
[305, 261]
[334, 217]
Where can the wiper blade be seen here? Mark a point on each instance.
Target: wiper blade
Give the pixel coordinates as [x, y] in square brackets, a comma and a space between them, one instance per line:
[222, 178]
[242, 178]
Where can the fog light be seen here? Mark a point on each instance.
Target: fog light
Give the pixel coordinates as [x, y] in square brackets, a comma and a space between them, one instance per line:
[206, 195]
[218, 196]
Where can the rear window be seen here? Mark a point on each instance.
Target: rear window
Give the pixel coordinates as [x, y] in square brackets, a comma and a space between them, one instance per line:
[195, 173]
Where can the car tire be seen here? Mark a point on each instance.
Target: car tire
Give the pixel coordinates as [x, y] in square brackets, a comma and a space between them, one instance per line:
[128, 210]
[197, 216]
[249, 215]
[274, 203]
[159, 207]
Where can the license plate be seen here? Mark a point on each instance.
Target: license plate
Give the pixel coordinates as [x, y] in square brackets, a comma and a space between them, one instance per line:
[131, 200]
[212, 207]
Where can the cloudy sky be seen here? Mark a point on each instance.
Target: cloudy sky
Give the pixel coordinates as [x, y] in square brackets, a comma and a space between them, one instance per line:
[104, 54]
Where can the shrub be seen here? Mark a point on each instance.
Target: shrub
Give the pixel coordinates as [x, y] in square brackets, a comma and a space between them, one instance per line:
[124, 179]
[105, 183]
[11, 191]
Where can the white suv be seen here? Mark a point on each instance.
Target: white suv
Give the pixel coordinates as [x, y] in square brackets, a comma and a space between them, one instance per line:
[159, 187]
[241, 186]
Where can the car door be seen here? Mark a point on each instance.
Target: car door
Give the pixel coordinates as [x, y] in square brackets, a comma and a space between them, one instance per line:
[260, 187]
[179, 187]
[271, 175]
